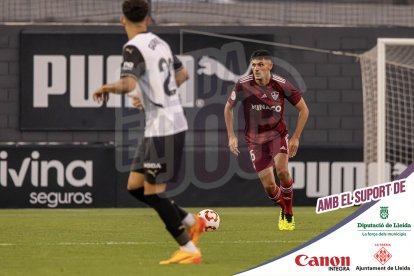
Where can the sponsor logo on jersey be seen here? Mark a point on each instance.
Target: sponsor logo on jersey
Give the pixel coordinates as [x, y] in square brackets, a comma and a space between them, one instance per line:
[152, 166]
[260, 107]
[127, 65]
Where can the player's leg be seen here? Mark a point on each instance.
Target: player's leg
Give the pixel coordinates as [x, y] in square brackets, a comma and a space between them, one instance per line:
[136, 182]
[286, 182]
[267, 179]
[136, 188]
[263, 164]
[136, 177]
[279, 150]
[160, 167]
[188, 252]
[195, 225]
[169, 213]
[135, 185]
[286, 187]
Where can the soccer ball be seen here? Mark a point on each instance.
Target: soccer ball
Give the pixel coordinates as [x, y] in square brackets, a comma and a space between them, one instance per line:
[212, 219]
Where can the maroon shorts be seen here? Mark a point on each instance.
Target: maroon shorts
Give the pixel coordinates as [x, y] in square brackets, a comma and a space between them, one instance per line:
[262, 155]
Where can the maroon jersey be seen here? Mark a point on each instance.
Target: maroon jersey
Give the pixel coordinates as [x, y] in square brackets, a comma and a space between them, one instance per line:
[263, 106]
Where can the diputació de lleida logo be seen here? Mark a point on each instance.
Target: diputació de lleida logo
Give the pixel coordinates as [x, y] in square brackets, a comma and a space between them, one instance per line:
[384, 212]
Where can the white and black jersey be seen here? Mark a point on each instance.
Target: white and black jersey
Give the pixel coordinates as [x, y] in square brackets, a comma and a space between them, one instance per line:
[150, 61]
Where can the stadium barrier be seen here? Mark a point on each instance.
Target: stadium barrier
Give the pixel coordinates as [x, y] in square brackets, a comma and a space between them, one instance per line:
[86, 175]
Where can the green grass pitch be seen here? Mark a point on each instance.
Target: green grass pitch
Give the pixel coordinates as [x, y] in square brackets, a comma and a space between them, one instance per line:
[132, 241]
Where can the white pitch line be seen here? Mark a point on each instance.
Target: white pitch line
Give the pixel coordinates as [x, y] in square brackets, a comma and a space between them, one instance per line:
[144, 243]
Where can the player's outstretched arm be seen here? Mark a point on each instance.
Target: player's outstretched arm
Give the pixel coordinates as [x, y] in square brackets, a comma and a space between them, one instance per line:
[228, 117]
[302, 118]
[122, 86]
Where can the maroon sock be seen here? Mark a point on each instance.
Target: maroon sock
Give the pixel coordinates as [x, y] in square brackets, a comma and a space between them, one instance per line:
[287, 195]
[276, 197]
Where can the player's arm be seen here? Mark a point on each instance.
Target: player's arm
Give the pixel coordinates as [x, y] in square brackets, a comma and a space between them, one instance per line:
[302, 118]
[181, 74]
[228, 117]
[122, 86]
[133, 67]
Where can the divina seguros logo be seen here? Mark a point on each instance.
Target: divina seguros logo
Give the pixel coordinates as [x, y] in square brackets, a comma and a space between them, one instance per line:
[46, 175]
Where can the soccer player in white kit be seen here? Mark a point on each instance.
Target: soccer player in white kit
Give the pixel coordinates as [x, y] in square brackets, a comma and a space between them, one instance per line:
[150, 67]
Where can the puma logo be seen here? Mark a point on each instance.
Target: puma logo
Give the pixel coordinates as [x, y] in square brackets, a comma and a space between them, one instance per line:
[129, 50]
[152, 172]
[210, 66]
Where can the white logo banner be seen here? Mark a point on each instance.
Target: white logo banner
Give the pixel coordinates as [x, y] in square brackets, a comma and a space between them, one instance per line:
[375, 240]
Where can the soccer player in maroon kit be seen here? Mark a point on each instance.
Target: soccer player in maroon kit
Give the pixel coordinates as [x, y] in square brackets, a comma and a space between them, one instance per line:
[263, 96]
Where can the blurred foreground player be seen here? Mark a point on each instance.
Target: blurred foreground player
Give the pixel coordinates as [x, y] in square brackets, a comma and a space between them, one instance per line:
[150, 67]
[263, 95]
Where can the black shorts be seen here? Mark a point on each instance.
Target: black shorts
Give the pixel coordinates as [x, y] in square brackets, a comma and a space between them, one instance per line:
[159, 158]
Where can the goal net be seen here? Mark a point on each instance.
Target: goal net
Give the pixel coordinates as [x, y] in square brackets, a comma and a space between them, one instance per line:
[388, 100]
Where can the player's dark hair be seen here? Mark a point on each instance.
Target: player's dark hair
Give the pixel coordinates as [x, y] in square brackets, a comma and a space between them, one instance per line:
[261, 54]
[135, 10]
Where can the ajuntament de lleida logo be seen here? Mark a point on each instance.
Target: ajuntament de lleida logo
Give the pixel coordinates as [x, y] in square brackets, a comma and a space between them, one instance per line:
[384, 212]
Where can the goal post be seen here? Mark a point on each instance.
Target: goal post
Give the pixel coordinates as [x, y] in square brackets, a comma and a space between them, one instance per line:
[388, 99]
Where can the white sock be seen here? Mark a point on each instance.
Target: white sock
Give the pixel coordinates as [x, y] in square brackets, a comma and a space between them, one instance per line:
[189, 220]
[189, 247]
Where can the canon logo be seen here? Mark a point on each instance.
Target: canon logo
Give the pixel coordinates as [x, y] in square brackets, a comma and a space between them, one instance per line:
[304, 260]
[39, 171]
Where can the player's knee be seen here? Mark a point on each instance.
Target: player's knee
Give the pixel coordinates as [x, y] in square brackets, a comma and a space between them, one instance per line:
[283, 175]
[269, 189]
[269, 186]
